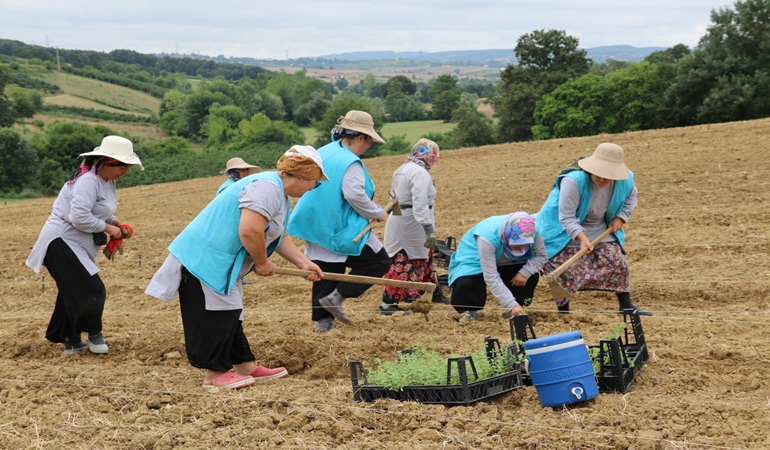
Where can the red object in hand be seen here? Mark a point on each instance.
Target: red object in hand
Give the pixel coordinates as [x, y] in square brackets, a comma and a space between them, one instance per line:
[114, 245]
[126, 230]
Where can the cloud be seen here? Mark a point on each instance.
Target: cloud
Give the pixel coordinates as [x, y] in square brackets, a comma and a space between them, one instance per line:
[271, 29]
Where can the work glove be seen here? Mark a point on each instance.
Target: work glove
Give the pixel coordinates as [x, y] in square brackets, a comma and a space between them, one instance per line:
[430, 236]
[126, 230]
[114, 245]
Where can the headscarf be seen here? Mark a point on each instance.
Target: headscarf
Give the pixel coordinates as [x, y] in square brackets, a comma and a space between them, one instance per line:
[424, 153]
[92, 162]
[234, 174]
[518, 228]
[300, 166]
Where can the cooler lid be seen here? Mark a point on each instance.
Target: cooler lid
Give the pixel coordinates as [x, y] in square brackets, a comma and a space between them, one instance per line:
[554, 339]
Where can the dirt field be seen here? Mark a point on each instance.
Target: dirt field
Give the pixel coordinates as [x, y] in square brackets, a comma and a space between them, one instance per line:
[698, 246]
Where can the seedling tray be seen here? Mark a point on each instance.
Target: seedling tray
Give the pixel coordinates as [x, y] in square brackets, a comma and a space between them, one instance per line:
[468, 388]
[619, 359]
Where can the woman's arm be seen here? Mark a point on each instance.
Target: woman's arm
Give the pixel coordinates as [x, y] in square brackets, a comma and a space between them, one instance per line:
[290, 252]
[251, 231]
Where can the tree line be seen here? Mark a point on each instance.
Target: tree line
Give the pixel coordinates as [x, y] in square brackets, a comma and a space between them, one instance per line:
[552, 91]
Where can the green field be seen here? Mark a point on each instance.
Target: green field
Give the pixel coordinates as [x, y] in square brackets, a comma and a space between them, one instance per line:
[415, 130]
[84, 92]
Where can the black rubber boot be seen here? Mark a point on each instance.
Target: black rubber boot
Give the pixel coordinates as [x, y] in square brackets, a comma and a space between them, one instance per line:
[563, 309]
[439, 297]
[624, 300]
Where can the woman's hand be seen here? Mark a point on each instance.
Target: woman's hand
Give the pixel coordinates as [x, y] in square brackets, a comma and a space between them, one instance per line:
[585, 242]
[311, 266]
[113, 231]
[616, 224]
[265, 269]
[519, 280]
[515, 311]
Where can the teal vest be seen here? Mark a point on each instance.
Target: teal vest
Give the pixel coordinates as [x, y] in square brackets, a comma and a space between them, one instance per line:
[224, 185]
[466, 262]
[210, 247]
[548, 225]
[322, 216]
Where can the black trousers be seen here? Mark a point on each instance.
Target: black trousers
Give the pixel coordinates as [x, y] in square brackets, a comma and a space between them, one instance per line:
[469, 293]
[368, 264]
[81, 296]
[214, 340]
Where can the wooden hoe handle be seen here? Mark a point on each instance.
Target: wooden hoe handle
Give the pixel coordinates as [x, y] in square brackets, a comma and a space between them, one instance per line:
[568, 263]
[428, 287]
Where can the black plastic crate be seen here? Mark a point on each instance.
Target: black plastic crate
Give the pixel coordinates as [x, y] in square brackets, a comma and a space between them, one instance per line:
[620, 359]
[442, 252]
[463, 392]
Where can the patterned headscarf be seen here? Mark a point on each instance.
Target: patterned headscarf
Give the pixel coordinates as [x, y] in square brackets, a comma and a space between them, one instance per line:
[424, 153]
[300, 166]
[518, 228]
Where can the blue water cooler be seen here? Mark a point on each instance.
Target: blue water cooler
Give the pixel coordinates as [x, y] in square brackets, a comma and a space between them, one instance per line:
[561, 369]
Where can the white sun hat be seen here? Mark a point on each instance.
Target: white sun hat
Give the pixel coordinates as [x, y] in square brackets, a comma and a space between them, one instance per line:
[117, 148]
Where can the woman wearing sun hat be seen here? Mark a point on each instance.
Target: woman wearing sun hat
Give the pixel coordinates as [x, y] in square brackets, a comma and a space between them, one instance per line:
[233, 235]
[330, 217]
[83, 216]
[599, 193]
[237, 168]
[503, 254]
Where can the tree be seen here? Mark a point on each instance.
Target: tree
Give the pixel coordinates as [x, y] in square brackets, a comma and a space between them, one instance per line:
[26, 102]
[444, 96]
[726, 78]
[312, 109]
[399, 83]
[18, 162]
[546, 59]
[473, 128]
[6, 111]
[64, 141]
[625, 100]
[402, 108]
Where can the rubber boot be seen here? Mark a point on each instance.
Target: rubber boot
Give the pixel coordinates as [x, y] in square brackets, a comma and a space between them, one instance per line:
[563, 309]
[624, 300]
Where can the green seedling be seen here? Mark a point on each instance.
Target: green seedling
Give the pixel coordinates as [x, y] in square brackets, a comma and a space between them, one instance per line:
[425, 366]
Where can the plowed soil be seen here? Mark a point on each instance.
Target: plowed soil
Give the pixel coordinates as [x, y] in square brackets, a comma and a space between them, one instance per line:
[698, 246]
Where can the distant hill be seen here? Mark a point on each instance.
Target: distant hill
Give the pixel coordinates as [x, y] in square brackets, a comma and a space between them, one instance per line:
[492, 57]
[495, 56]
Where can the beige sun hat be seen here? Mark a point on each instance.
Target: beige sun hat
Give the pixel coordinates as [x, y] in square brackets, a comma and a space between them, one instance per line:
[239, 163]
[117, 148]
[606, 162]
[362, 122]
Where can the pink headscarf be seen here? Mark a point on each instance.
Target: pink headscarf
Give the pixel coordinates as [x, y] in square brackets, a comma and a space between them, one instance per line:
[424, 153]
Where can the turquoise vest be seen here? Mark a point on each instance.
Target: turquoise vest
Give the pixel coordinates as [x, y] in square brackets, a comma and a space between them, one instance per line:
[548, 225]
[322, 216]
[465, 261]
[210, 247]
[227, 182]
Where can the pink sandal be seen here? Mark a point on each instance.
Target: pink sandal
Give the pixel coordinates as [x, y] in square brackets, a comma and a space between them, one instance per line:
[263, 373]
[230, 380]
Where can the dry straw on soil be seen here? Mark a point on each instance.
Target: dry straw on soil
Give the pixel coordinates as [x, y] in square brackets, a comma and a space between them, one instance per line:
[698, 246]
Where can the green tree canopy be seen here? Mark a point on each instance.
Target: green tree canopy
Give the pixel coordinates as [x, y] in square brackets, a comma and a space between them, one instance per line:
[728, 75]
[546, 59]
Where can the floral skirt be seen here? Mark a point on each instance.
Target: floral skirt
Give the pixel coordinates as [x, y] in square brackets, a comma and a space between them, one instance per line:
[604, 269]
[404, 269]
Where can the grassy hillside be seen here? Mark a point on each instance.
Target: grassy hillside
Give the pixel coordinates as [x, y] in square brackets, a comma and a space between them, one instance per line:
[88, 93]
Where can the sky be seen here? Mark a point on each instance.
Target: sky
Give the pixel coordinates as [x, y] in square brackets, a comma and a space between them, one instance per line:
[269, 29]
